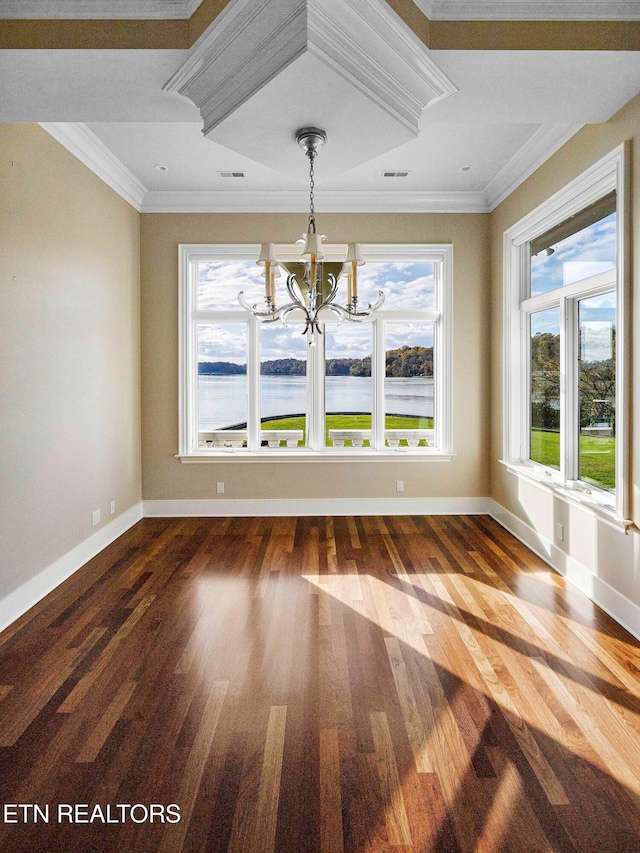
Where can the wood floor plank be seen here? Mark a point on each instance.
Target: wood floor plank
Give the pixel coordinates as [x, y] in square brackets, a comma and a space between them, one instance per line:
[269, 791]
[107, 721]
[395, 812]
[331, 829]
[416, 731]
[194, 768]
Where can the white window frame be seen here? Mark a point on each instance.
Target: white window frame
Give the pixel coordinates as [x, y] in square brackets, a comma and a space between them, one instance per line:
[190, 256]
[609, 173]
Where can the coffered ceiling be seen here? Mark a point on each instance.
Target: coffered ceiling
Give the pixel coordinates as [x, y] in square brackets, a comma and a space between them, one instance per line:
[163, 97]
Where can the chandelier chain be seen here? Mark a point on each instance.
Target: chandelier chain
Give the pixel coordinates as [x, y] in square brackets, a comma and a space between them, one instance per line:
[311, 154]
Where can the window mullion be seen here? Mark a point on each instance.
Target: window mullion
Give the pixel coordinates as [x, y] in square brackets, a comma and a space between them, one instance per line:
[525, 384]
[315, 392]
[193, 393]
[568, 391]
[253, 384]
[377, 379]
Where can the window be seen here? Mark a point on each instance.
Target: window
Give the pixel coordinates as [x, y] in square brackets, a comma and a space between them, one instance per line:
[565, 359]
[377, 387]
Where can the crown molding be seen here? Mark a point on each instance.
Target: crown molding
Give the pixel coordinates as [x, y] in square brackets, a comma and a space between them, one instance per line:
[337, 48]
[327, 202]
[546, 140]
[525, 10]
[246, 45]
[99, 9]
[393, 32]
[425, 6]
[85, 145]
[192, 5]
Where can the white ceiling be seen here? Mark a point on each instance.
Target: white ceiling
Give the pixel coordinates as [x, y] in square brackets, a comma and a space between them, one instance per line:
[511, 111]
[525, 10]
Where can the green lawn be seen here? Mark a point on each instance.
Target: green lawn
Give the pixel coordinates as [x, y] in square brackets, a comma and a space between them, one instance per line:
[597, 456]
[352, 422]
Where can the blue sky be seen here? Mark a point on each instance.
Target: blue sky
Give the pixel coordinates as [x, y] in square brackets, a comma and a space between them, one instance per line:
[586, 253]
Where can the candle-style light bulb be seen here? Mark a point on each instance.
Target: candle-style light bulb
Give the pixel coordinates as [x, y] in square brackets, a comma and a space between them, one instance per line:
[269, 260]
[356, 259]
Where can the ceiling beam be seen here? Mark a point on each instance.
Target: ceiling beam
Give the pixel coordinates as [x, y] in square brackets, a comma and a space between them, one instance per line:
[84, 34]
[534, 35]
[182, 34]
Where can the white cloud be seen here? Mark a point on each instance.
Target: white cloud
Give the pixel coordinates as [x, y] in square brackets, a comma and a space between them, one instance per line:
[283, 342]
[222, 343]
[348, 341]
[408, 334]
[406, 285]
[220, 283]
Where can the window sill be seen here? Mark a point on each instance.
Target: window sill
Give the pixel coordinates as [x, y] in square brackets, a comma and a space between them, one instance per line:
[591, 501]
[298, 455]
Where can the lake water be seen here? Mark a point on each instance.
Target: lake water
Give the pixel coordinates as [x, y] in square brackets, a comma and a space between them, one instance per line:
[223, 399]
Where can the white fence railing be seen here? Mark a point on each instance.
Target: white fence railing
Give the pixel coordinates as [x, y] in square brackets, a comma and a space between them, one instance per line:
[238, 437]
[275, 437]
[393, 437]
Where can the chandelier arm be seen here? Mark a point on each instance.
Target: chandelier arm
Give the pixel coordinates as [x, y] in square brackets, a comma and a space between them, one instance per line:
[283, 313]
[299, 299]
[253, 309]
[370, 308]
[330, 296]
[378, 303]
[333, 281]
[341, 313]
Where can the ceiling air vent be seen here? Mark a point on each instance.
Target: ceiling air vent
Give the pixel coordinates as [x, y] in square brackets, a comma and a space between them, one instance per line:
[395, 173]
[231, 174]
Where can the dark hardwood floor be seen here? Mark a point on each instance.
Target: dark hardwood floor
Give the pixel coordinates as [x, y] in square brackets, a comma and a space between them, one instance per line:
[319, 684]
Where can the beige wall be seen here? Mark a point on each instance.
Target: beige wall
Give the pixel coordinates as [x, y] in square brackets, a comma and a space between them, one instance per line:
[609, 555]
[69, 371]
[165, 478]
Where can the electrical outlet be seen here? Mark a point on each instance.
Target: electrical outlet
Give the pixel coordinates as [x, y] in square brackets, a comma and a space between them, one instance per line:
[220, 488]
[113, 507]
[560, 532]
[95, 517]
[399, 485]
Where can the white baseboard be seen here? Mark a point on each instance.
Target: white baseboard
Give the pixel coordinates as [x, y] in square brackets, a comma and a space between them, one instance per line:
[617, 605]
[316, 506]
[35, 589]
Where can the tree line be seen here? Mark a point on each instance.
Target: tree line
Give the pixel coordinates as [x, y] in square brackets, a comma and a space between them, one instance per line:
[597, 385]
[402, 362]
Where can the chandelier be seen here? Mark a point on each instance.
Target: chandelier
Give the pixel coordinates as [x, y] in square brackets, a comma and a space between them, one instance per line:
[312, 283]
